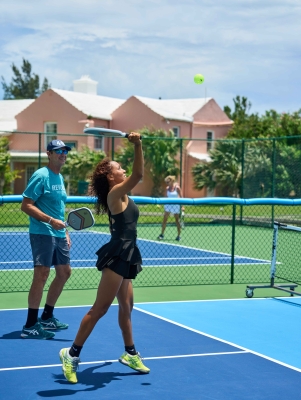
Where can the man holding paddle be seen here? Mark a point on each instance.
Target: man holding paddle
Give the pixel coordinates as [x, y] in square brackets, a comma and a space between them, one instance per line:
[44, 201]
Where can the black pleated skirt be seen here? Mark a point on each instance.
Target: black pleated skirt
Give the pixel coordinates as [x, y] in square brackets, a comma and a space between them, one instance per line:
[121, 256]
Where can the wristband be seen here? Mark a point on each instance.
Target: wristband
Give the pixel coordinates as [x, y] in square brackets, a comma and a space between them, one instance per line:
[50, 220]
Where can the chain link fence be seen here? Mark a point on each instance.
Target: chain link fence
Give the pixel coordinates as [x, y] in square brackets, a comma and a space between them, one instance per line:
[248, 168]
[223, 241]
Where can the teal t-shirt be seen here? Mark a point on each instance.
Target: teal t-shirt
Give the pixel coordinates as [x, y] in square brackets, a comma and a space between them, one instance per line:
[47, 190]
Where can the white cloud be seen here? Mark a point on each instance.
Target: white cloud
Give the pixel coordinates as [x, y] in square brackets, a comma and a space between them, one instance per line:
[243, 47]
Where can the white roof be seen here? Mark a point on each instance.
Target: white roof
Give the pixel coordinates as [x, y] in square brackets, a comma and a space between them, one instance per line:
[27, 154]
[85, 78]
[97, 106]
[175, 109]
[200, 156]
[8, 110]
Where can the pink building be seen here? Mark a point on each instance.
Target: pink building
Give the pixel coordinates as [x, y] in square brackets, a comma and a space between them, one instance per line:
[64, 112]
[188, 118]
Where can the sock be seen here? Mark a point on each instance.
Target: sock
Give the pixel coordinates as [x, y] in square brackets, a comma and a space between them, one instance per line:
[131, 350]
[48, 312]
[75, 350]
[32, 317]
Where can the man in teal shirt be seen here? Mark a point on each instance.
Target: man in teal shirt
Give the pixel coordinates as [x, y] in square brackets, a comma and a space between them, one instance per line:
[44, 201]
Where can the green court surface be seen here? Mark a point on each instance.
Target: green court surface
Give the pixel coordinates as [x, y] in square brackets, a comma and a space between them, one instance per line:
[153, 294]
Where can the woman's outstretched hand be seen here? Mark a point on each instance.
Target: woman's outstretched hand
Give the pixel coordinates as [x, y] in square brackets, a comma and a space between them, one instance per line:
[134, 137]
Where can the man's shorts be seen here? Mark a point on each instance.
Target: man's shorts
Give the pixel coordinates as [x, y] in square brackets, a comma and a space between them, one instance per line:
[49, 250]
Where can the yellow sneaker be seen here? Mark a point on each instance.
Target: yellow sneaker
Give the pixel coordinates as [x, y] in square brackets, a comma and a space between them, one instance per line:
[70, 365]
[134, 362]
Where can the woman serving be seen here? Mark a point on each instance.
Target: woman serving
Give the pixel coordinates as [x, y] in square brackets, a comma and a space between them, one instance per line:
[119, 260]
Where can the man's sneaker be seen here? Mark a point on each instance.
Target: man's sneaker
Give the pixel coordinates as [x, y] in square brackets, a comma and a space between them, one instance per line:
[36, 332]
[70, 365]
[161, 237]
[134, 362]
[52, 324]
[178, 238]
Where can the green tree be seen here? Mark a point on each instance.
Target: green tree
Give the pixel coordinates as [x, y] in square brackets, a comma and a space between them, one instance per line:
[79, 166]
[160, 150]
[270, 124]
[241, 108]
[245, 125]
[24, 86]
[6, 175]
[225, 172]
[287, 174]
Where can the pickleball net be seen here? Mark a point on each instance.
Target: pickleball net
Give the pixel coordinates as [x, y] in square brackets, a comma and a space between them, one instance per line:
[285, 272]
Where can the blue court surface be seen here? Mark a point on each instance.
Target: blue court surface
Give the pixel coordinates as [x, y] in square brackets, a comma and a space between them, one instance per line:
[154, 253]
[211, 350]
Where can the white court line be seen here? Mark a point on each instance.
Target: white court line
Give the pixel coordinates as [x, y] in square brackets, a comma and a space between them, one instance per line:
[165, 302]
[166, 244]
[113, 361]
[219, 339]
[151, 266]
[150, 259]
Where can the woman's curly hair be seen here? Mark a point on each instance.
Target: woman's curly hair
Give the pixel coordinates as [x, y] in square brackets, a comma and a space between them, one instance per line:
[99, 186]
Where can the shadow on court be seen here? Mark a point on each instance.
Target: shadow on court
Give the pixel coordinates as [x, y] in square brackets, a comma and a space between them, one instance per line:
[97, 380]
[17, 335]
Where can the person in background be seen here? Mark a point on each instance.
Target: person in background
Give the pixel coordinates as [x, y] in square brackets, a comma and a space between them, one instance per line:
[173, 191]
[44, 201]
[119, 260]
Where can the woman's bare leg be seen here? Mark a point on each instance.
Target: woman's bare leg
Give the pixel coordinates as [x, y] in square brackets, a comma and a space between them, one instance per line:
[165, 218]
[107, 290]
[178, 223]
[126, 301]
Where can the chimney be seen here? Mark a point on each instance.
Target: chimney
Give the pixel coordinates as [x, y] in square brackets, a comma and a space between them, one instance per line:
[85, 85]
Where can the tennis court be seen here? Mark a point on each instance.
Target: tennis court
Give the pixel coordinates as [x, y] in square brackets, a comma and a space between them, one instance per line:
[209, 349]
[154, 253]
[229, 349]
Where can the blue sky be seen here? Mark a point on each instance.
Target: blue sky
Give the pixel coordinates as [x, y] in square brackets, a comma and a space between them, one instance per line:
[154, 48]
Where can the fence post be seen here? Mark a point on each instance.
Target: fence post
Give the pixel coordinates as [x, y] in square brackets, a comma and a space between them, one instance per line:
[40, 149]
[181, 162]
[242, 176]
[113, 148]
[233, 243]
[273, 178]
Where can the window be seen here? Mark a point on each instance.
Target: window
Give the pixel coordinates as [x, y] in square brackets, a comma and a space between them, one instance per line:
[176, 131]
[73, 145]
[98, 140]
[50, 128]
[30, 169]
[98, 143]
[210, 136]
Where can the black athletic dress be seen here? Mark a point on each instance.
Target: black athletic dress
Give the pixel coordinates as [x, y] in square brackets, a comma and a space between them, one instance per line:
[121, 254]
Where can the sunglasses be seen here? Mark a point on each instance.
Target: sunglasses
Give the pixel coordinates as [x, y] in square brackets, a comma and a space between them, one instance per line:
[61, 151]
